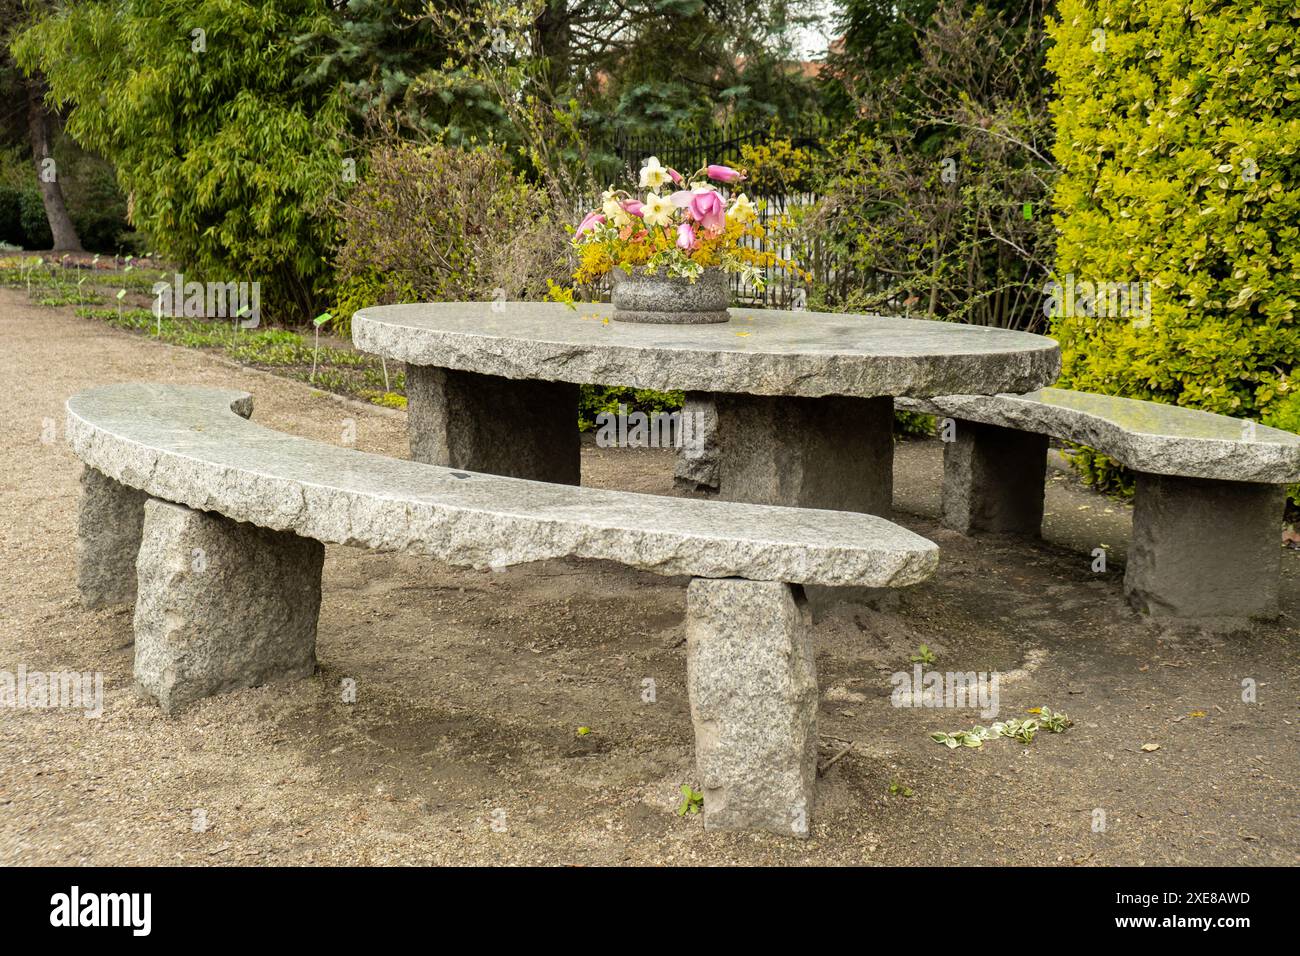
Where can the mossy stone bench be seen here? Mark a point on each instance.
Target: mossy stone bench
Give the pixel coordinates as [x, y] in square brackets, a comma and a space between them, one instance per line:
[1210, 489]
[214, 526]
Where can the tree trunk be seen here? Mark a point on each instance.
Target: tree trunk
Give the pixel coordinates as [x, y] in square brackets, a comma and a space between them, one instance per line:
[56, 211]
[554, 36]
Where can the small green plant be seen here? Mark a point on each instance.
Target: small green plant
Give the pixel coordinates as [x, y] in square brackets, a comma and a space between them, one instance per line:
[316, 324]
[974, 737]
[594, 399]
[692, 801]
[1053, 721]
[923, 655]
[897, 789]
[913, 424]
[384, 399]
[35, 265]
[1016, 729]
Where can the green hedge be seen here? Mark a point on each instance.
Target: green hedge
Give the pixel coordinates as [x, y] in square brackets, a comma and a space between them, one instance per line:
[1178, 138]
[22, 214]
[22, 218]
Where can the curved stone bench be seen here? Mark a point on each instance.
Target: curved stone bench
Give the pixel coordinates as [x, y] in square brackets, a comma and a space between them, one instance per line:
[1210, 489]
[214, 526]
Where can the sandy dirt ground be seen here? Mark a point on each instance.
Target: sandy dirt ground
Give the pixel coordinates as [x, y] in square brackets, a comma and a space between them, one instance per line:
[462, 748]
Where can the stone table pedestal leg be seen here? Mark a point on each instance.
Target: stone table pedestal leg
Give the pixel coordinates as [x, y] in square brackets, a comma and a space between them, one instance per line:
[494, 425]
[696, 467]
[753, 692]
[993, 478]
[221, 605]
[1203, 548]
[835, 452]
[109, 523]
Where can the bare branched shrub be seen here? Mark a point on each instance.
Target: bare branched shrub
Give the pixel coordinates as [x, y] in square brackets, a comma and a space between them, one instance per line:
[432, 223]
[940, 204]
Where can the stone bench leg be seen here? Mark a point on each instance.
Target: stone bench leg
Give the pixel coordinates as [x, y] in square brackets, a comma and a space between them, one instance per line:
[994, 480]
[753, 693]
[221, 605]
[108, 538]
[499, 426]
[834, 452]
[1203, 548]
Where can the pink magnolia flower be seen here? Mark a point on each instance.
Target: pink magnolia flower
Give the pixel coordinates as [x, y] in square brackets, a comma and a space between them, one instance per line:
[675, 175]
[707, 209]
[589, 222]
[634, 207]
[686, 237]
[725, 174]
[681, 198]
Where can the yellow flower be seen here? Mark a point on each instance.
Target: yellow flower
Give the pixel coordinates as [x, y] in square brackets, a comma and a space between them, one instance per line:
[653, 175]
[657, 211]
[742, 210]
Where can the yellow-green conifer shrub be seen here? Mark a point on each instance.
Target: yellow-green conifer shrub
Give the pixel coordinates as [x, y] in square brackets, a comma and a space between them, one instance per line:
[1178, 139]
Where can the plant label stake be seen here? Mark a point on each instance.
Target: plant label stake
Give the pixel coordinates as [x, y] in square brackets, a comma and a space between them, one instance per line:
[317, 322]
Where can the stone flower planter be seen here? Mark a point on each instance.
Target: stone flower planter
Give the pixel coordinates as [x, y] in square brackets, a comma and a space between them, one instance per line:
[670, 301]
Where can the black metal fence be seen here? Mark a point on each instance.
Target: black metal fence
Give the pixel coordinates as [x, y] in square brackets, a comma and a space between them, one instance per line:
[689, 150]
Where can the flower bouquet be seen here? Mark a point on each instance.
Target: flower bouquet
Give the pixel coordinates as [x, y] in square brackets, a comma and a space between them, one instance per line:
[668, 253]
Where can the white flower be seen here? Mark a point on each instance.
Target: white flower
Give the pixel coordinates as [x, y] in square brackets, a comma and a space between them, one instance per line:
[742, 210]
[653, 175]
[657, 210]
[614, 212]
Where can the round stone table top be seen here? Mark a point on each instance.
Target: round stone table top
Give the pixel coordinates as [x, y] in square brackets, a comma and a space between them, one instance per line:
[759, 352]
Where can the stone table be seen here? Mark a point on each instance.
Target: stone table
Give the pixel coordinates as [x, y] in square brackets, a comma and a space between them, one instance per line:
[803, 400]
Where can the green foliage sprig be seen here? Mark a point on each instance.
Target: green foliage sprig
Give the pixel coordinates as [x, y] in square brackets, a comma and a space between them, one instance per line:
[1022, 729]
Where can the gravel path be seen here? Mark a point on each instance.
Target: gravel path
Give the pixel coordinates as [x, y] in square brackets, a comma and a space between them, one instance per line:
[461, 745]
